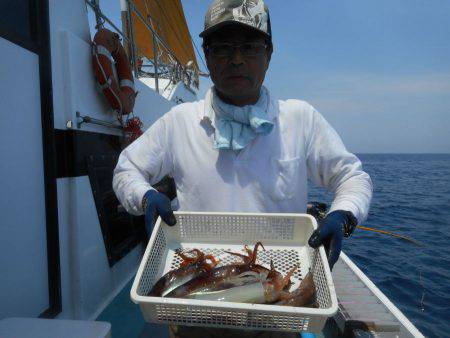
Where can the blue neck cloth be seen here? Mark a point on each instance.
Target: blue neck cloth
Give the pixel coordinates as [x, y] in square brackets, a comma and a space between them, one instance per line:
[236, 127]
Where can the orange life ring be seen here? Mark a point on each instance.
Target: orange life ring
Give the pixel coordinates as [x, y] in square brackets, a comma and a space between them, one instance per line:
[115, 80]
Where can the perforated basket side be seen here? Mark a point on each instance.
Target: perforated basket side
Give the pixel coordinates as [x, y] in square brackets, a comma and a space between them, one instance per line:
[239, 319]
[153, 264]
[323, 296]
[234, 227]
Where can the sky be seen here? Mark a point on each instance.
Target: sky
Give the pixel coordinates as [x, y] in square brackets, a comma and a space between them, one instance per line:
[377, 70]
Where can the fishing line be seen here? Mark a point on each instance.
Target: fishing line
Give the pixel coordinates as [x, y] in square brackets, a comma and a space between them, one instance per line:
[391, 234]
[422, 299]
[318, 210]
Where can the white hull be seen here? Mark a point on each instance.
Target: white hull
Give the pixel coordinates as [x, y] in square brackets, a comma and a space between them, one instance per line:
[87, 282]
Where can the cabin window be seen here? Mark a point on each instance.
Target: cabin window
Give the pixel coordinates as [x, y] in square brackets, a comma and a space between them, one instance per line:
[18, 22]
[121, 231]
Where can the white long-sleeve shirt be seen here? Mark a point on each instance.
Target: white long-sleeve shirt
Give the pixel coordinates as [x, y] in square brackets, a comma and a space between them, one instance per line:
[269, 175]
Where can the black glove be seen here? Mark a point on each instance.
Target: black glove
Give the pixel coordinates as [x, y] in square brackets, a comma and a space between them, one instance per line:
[155, 203]
[332, 228]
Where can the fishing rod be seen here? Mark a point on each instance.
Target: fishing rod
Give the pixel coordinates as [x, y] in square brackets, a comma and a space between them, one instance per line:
[390, 234]
[319, 209]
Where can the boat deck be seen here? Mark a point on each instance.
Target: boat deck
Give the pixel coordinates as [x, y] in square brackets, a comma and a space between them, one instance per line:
[364, 308]
[364, 311]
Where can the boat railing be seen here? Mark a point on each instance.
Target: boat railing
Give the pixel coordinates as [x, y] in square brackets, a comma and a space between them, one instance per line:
[164, 65]
[91, 120]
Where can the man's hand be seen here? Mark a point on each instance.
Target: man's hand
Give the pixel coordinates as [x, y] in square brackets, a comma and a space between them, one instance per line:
[155, 203]
[330, 232]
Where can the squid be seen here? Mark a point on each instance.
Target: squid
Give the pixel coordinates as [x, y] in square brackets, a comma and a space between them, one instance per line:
[223, 277]
[256, 291]
[245, 282]
[304, 295]
[190, 267]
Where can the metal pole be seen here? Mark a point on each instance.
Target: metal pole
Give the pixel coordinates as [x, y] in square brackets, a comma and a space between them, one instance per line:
[155, 49]
[125, 26]
[133, 45]
[87, 119]
[155, 62]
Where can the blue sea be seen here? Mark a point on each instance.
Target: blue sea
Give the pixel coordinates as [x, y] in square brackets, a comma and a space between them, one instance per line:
[412, 198]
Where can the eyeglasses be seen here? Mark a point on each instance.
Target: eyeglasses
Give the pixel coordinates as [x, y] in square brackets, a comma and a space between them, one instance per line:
[246, 49]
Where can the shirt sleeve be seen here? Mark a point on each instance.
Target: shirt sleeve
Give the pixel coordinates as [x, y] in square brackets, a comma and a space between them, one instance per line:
[143, 163]
[330, 165]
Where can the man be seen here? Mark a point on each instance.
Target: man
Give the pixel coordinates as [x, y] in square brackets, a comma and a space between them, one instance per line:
[240, 149]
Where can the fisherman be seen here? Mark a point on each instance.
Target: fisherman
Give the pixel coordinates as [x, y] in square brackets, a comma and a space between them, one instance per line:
[240, 149]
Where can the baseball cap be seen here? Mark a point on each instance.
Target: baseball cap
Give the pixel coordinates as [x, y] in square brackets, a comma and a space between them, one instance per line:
[249, 13]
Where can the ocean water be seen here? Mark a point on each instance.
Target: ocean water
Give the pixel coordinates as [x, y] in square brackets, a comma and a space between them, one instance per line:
[412, 198]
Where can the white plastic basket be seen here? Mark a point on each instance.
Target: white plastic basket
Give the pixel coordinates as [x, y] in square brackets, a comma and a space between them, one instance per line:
[284, 237]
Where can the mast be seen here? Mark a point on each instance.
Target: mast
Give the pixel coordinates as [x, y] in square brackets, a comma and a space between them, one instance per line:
[128, 30]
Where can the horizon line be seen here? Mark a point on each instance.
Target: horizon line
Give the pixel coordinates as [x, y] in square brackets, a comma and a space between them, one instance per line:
[386, 153]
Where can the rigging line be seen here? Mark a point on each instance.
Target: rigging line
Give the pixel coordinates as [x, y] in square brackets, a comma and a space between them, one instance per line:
[192, 40]
[98, 10]
[151, 18]
[156, 29]
[152, 23]
[163, 37]
[199, 54]
[149, 27]
[161, 31]
[173, 30]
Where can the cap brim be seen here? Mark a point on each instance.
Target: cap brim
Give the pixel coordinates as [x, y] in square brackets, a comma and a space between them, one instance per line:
[229, 23]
